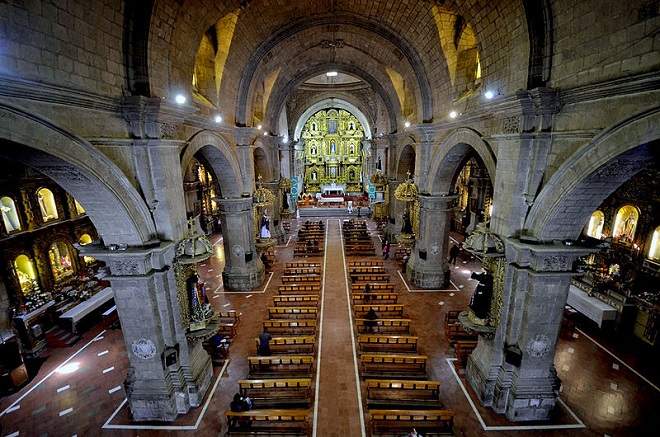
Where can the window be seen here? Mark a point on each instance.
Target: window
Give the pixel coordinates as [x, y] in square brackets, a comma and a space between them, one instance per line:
[79, 209]
[9, 214]
[595, 228]
[86, 239]
[47, 204]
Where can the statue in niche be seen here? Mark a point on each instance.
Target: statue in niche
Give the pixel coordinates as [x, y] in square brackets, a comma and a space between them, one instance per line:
[314, 175]
[199, 301]
[265, 226]
[480, 301]
[352, 149]
[351, 126]
[312, 150]
[333, 147]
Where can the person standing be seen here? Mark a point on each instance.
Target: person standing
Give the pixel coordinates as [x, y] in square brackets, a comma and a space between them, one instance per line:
[264, 342]
[453, 253]
[386, 250]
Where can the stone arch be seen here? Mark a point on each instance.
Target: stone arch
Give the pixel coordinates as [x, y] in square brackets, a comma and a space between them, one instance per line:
[111, 202]
[409, 52]
[451, 153]
[217, 152]
[591, 174]
[406, 161]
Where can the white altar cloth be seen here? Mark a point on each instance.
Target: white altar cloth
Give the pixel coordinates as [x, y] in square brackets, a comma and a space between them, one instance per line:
[76, 314]
[596, 310]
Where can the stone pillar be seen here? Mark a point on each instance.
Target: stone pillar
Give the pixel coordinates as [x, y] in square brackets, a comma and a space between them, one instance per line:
[395, 213]
[243, 268]
[285, 161]
[535, 286]
[145, 293]
[427, 266]
[276, 230]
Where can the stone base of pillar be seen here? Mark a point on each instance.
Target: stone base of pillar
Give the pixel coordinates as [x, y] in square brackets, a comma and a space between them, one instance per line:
[244, 279]
[152, 400]
[519, 399]
[426, 276]
[201, 374]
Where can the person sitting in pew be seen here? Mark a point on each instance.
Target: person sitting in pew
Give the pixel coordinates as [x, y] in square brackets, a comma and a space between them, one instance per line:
[372, 318]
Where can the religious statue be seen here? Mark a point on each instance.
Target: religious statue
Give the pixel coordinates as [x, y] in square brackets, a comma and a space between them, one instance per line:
[198, 298]
[265, 226]
[333, 147]
[480, 301]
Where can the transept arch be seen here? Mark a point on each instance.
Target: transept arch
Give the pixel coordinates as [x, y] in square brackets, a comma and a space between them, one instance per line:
[332, 103]
[217, 153]
[452, 153]
[591, 174]
[112, 203]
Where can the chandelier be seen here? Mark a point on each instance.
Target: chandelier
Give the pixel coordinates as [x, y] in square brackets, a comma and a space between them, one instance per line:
[407, 191]
[262, 196]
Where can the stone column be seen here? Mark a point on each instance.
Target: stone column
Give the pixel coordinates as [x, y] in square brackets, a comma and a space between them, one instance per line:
[243, 268]
[524, 385]
[145, 293]
[277, 230]
[395, 213]
[427, 266]
[285, 160]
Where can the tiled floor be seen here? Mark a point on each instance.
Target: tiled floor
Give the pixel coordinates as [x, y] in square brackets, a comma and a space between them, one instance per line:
[603, 392]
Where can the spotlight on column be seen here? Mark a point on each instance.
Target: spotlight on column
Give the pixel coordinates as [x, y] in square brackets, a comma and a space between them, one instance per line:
[406, 124]
[489, 94]
[218, 119]
[453, 114]
[265, 133]
[180, 99]
[259, 127]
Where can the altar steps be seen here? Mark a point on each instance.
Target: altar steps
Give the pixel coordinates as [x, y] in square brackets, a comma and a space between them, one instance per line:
[331, 212]
[58, 337]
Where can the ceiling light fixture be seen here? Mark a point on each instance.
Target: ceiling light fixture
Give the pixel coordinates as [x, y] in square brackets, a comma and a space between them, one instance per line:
[453, 114]
[180, 99]
[406, 124]
[218, 119]
[331, 73]
[489, 94]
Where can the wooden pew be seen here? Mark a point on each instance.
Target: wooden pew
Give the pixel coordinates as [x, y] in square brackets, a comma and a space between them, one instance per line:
[303, 251]
[397, 422]
[403, 394]
[393, 366]
[451, 317]
[301, 279]
[366, 263]
[292, 312]
[302, 271]
[293, 422]
[375, 298]
[367, 269]
[376, 287]
[463, 349]
[360, 249]
[229, 321]
[296, 300]
[456, 332]
[387, 311]
[384, 326]
[295, 345]
[277, 393]
[280, 366]
[387, 344]
[291, 326]
[370, 277]
[309, 288]
[297, 264]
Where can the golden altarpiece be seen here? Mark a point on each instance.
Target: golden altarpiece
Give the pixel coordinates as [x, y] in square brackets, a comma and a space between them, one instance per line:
[333, 161]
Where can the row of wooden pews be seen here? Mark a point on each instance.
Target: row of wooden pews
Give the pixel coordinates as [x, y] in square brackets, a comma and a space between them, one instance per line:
[280, 384]
[310, 241]
[217, 345]
[357, 240]
[399, 395]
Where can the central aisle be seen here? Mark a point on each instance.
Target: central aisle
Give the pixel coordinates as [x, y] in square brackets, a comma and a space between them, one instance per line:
[338, 402]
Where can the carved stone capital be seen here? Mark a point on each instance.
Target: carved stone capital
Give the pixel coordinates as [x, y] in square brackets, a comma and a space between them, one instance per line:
[154, 117]
[543, 257]
[234, 205]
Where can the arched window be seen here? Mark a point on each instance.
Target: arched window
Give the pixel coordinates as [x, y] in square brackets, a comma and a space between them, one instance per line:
[625, 223]
[595, 228]
[26, 274]
[47, 204]
[60, 261]
[9, 214]
[654, 250]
